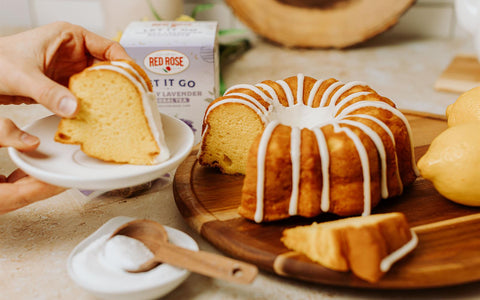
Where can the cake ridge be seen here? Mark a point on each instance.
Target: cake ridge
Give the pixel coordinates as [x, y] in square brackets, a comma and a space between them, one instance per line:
[362, 152]
[313, 92]
[380, 148]
[267, 133]
[396, 112]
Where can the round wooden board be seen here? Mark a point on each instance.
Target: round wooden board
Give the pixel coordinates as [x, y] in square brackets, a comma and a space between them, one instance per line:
[449, 242]
[319, 23]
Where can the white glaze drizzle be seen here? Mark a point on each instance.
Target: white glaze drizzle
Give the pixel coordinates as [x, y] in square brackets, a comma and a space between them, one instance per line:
[327, 93]
[313, 92]
[344, 101]
[132, 69]
[253, 88]
[248, 97]
[288, 92]
[380, 148]
[271, 91]
[262, 152]
[393, 257]
[295, 143]
[392, 138]
[396, 112]
[325, 159]
[258, 110]
[362, 153]
[300, 80]
[343, 89]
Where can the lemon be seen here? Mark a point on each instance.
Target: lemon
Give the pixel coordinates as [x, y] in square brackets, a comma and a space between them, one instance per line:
[452, 164]
[465, 109]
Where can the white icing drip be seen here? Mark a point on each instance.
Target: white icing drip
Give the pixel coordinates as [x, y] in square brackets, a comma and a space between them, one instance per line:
[150, 108]
[249, 87]
[396, 112]
[325, 159]
[271, 91]
[345, 100]
[200, 151]
[300, 80]
[343, 89]
[362, 152]
[390, 134]
[295, 143]
[396, 255]
[313, 91]
[288, 92]
[327, 93]
[262, 152]
[248, 97]
[381, 152]
[259, 112]
[132, 69]
[300, 115]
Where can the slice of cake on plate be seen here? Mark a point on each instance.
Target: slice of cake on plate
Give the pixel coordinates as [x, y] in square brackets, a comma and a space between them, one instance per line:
[118, 119]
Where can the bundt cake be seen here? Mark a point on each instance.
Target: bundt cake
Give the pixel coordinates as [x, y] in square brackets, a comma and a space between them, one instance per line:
[118, 119]
[368, 246]
[309, 146]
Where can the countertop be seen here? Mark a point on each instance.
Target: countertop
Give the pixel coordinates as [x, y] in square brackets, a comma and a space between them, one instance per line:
[35, 241]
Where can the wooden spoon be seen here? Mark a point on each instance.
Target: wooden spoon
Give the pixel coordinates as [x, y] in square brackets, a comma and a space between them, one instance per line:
[155, 237]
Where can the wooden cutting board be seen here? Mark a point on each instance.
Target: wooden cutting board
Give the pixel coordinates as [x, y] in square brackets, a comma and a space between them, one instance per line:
[448, 252]
[461, 75]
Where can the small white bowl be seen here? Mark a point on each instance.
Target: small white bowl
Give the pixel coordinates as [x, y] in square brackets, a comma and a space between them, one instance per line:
[163, 280]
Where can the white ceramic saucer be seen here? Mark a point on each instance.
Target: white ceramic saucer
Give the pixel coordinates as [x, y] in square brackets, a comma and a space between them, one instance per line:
[67, 166]
[151, 285]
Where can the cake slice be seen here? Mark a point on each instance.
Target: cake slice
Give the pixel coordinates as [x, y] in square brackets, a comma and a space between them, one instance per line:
[367, 246]
[118, 119]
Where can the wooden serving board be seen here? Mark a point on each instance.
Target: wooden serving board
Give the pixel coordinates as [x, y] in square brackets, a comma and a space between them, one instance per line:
[449, 238]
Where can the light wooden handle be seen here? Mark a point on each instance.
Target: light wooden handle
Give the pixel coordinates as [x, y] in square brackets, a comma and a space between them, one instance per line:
[206, 263]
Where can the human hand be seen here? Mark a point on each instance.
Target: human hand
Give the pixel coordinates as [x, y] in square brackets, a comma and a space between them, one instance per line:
[37, 64]
[35, 67]
[19, 189]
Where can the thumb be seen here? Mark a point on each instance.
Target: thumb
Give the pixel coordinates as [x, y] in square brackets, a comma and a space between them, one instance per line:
[52, 95]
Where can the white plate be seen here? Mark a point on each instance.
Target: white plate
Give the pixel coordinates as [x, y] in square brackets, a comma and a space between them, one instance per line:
[161, 280]
[67, 166]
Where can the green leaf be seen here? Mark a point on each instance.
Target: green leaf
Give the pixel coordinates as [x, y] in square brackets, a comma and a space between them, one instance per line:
[154, 12]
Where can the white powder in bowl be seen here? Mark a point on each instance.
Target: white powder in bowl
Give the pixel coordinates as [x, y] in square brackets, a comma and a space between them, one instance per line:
[125, 253]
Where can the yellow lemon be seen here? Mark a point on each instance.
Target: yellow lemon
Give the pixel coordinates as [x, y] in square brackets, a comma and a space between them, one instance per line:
[452, 164]
[465, 109]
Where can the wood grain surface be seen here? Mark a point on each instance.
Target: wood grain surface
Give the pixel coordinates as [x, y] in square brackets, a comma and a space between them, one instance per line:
[461, 75]
[319, 23]
[448, 252]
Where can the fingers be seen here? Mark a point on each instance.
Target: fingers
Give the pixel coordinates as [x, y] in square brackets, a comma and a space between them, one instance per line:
[12, 136]
[15, 176]
[5, 99]
[52, 95]
[24, 191]
[104, 49]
